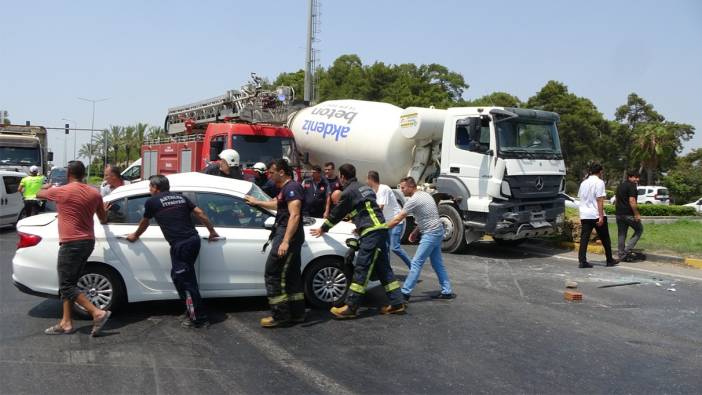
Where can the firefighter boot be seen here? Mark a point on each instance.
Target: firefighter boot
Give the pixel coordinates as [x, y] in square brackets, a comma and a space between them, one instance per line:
[343, 312]
[270, 322]
[393, 309]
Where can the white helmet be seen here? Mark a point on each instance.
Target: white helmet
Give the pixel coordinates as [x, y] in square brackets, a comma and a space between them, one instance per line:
[34, 169]
[260, 167]
[231, 156]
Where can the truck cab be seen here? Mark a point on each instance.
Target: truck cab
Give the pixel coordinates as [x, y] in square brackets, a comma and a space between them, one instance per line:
[502, 172]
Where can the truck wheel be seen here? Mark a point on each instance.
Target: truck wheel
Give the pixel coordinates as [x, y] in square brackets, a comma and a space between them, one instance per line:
[508, 243]
[326, 282]
[454, 230]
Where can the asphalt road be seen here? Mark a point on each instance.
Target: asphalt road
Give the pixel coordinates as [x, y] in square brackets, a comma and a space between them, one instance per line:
[510, 330]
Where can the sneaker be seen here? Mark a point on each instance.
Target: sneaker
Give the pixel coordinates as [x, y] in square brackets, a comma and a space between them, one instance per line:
[442, 296]
[270, 322]
[585, 266]
[190, 324]
[343, 312]
[613, 262]
[406, 297]
[394, 309]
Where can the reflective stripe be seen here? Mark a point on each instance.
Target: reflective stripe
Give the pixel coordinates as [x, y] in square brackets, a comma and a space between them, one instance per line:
[285, 270]
[392, 286]
[297, 296]
[353, 213]
[278, 299]
[358, 288]
[373, 228]
[371, 267]
[371, 213]
[328, 223]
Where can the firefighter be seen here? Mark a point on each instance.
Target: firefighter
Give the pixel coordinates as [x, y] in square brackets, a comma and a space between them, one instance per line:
[316, 194]
[260, 177]
[228, 165]
[358, 201]
[283, 277]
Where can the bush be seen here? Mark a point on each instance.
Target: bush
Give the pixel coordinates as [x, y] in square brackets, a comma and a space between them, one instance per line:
[572, 187]
[654, 210]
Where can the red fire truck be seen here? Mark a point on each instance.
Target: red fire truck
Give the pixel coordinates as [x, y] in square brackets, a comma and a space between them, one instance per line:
[249, 120]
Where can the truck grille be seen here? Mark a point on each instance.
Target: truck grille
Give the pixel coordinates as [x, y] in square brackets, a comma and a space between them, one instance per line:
[530, 187]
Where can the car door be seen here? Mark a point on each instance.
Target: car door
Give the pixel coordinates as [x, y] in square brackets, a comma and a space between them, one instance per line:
[12, 203]
[235, 263]
[149, 257]
[468, 159]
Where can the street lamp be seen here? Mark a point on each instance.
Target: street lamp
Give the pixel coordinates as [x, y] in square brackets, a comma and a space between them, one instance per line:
[75, 126]
[92, 128]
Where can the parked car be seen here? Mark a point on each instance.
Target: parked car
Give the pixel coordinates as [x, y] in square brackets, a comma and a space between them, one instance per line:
[120, 271]
[133, 172]
[58, 176]
[697, 205]
[652, 195]
[11, 203]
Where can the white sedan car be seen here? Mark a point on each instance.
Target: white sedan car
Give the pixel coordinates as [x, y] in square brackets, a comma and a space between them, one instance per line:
[119, 271]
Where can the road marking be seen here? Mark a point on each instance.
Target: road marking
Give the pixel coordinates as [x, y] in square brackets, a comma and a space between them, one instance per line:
[636, 269]
[278, 354]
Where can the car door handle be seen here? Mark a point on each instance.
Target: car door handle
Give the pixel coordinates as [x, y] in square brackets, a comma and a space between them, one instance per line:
[454, 170]
[218, 238]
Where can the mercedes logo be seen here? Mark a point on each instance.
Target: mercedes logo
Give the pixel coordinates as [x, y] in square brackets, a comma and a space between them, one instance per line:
[539, 183]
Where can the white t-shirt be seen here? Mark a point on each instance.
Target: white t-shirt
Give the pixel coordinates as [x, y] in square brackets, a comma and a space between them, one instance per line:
[589, 191]
[106, 189]
[384, 197]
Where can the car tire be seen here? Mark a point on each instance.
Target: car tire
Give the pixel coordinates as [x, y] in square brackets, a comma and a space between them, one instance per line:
[508, 243]
[454, 230]
[326, 282]
[103, 286]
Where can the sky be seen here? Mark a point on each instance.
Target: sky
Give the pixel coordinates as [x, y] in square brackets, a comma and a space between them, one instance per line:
[145, 56]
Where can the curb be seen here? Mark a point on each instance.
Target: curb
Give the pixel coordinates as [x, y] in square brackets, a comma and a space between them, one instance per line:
[598, 249]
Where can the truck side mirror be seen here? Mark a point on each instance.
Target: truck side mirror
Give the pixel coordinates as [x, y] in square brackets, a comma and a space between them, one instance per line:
[50, 157]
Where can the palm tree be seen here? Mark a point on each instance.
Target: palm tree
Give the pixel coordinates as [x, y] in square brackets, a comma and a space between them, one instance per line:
[129, 142]
[156, 132]
[115, 139]
[654, 140]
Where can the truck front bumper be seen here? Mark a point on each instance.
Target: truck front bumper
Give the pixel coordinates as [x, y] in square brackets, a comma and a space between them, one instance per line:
[518, 219]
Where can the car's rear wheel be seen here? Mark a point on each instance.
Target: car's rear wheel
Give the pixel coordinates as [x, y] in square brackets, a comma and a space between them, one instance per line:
[102, 286]
[326, 282]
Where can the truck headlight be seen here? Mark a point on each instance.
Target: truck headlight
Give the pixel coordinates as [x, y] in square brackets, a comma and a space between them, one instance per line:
[504, 189]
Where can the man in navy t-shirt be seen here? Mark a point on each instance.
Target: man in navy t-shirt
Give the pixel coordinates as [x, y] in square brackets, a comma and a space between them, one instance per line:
[317, 193]
[283, 277]
[172, 213]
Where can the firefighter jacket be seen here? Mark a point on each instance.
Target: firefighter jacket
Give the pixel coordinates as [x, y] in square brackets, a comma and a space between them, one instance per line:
[358, 202]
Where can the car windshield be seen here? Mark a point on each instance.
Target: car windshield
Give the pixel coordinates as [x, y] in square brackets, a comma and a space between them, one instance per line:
[256, 192]
[523, 138]
[264, 149]
[20, 156]
[57, 176]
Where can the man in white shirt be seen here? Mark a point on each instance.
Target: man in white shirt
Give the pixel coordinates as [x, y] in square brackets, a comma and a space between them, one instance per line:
[592, 194]
[387, 202]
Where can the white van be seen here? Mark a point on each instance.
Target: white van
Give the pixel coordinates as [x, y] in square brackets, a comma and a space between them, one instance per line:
[653, 195]
[133, 172]
[11, 203]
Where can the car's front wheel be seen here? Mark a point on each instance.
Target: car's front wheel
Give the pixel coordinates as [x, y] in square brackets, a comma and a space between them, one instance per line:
[326, 282]
[103, 288]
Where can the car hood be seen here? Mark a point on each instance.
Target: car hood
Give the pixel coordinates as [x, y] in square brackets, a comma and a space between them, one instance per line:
[343, 227]
[38, 220]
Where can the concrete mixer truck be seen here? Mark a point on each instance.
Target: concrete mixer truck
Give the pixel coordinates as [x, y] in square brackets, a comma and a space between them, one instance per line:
[492, 170]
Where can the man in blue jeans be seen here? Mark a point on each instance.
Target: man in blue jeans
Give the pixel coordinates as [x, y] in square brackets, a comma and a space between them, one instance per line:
[388, 203]
[423, 207]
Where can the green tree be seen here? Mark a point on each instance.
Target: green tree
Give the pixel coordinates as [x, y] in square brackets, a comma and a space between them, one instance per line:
[296, 80]
[580, 127]
[684, 180]
[498, 99]
[115, 139]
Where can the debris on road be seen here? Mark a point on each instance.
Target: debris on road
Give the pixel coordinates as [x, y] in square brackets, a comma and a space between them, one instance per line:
[573, 296]
[571, 284]
[620, 284]
[671, 289]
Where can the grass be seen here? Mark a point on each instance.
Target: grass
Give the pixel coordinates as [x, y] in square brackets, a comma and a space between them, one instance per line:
[682, 238]
[95, 180]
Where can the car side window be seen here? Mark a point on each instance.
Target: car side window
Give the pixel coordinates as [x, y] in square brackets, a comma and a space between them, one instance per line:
[135, 209]
[641, 192]
[229, 211]
[11, 184]
[117, 214]
[464, 141]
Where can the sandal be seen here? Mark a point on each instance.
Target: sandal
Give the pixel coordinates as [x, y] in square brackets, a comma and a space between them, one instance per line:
[97, 325]
[58, 330]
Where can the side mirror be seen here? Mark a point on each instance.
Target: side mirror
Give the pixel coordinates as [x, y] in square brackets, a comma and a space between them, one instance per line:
[50, 157]
[269, 223]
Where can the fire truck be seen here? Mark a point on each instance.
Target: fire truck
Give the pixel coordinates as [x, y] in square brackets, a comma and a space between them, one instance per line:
[250, 120]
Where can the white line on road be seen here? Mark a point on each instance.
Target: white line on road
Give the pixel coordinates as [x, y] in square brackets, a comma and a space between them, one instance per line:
[636, 269]
[278, 354]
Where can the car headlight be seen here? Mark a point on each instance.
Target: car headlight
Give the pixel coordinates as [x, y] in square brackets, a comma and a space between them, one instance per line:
[504, 189]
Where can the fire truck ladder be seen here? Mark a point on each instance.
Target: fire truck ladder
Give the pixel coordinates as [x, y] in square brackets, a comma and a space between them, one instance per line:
[250, 104]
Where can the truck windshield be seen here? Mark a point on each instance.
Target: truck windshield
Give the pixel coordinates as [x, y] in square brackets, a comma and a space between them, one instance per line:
[20, 156]
[264, 149]
[520, 138]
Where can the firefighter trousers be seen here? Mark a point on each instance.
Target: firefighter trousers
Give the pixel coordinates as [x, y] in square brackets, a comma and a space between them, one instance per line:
[372, 256]
[283, 278]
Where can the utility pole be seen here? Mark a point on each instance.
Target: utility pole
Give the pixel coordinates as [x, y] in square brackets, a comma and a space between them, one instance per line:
[310, 60]
[92, 129]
